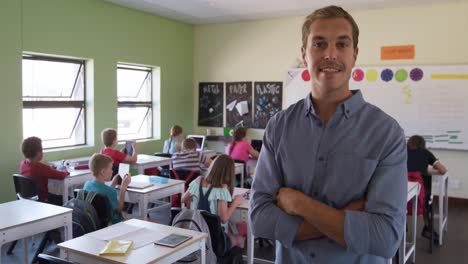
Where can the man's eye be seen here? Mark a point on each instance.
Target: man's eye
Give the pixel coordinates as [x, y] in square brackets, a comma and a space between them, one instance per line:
[319, 44]
[342, 45]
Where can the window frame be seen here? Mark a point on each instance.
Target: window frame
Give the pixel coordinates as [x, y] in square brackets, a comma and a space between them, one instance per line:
[48, 104]
[148, 104]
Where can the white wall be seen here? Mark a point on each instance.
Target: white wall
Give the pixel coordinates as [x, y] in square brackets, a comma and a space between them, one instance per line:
[264, 50]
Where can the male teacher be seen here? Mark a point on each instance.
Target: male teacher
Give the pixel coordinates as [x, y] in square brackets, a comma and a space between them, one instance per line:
[331, 182]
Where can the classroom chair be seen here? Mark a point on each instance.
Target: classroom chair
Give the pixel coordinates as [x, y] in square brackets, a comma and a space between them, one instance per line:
[26, 188]
[102, 206]
[184, 175]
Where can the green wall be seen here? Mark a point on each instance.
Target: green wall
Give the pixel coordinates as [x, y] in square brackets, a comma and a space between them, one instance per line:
[105, 34]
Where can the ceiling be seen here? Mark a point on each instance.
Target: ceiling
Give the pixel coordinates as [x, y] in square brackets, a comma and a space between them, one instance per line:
[220, 11]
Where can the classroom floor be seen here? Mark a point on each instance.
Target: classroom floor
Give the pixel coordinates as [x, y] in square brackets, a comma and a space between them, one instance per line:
[454, 249]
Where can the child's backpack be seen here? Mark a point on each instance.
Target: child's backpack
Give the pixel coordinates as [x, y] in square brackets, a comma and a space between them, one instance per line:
[193, 220]
[84, 216]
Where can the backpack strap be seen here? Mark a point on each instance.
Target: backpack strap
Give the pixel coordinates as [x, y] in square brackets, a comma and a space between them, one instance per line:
[81, 194]
[90, 197]
[207, 194]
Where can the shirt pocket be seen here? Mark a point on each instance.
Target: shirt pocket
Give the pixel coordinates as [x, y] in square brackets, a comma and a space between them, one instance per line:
[347, 177]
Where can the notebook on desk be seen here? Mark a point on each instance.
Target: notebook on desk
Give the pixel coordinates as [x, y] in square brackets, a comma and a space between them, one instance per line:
[140, 185]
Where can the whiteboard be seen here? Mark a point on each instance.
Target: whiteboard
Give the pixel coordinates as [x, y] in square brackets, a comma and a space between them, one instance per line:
[425, 100]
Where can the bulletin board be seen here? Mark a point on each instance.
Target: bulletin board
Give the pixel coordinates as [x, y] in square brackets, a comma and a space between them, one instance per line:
[239, 104]
[210, 104]
[428, 100]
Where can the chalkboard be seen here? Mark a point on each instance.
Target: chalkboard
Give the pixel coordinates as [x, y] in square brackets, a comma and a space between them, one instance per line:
[428, 100]
[210, 104]
[267, 101]
[239, 104]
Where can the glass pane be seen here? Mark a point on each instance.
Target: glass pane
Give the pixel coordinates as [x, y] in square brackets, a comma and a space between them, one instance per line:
[134, 123]
[133, 85]
[57, 127]
[52, 80]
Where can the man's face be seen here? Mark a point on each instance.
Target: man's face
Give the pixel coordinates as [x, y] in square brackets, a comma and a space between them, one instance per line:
[330, 54]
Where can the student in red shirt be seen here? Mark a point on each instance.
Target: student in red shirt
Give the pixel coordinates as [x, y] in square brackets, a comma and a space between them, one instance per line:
[109, 138]
[33, 167]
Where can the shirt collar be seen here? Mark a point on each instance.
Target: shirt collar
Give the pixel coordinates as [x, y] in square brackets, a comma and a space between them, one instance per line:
[348, 107]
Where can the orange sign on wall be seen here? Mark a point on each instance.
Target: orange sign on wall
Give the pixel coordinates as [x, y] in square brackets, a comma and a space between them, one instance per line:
[397, 52]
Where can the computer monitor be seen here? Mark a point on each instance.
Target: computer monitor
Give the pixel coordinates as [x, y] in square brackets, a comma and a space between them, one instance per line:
[200, 141]
[257, 144]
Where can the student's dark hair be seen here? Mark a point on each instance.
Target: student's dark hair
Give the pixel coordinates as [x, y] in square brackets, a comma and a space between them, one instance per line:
[221, 172]
[108, 136]
[416, 142]
[239, 134]
[189, 144]
[31, 146]
[175, 131]
[329, 12]
[98, 162]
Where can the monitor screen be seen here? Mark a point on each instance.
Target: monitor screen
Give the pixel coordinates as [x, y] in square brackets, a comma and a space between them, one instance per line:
[199, 139]
[256, 144]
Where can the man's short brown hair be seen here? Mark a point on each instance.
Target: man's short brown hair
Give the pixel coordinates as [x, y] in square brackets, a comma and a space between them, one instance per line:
[189, 144]
[31, 146]
[108, 136]
[329, 12]
[99, 162]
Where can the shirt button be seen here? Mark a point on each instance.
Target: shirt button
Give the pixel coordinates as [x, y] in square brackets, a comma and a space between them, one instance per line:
[347, 111]
[315, 194]
[312, 255]
[321, 158]
[319, 125]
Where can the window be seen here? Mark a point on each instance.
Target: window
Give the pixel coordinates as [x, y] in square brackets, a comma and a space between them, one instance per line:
[135, 101]
[53, 100]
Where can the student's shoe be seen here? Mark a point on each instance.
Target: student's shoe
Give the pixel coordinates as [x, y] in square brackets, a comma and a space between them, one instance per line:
[427, 234]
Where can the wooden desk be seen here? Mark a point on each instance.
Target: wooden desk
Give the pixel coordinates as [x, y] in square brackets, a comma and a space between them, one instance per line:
[152, 193]
[76, 177]
[25, 218]
[408, 248]
[85, 249]
[441, 181]
[147, 161]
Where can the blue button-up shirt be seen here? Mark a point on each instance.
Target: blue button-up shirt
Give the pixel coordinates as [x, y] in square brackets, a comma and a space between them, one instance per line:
[359, 153]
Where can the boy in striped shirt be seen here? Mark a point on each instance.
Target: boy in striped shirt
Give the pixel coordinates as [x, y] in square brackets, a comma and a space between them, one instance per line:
[189, 158]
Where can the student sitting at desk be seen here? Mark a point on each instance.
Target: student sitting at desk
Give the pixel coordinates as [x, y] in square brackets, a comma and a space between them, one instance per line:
[101, 168]
[109, 138]
[33, 167]
[174, 143]
[419, 158]
[213, 193]
[240, 148]
[189, 158]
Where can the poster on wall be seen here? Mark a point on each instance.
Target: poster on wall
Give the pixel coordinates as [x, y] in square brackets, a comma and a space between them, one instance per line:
[268, 97]
[210, 104]
[239, 104]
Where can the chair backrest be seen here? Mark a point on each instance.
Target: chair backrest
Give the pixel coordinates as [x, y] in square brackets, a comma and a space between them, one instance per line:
[257, 144]
[102, 206]
[26, 187]
[245, 167]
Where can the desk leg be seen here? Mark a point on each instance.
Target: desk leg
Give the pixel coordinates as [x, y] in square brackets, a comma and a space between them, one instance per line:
[446, 205]
[414, 224]
[65, 192]
[203, 251]
[242, 176]
[250, 245]
[25, 250]
[140, 169]
[441, 210]
[144, 208]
